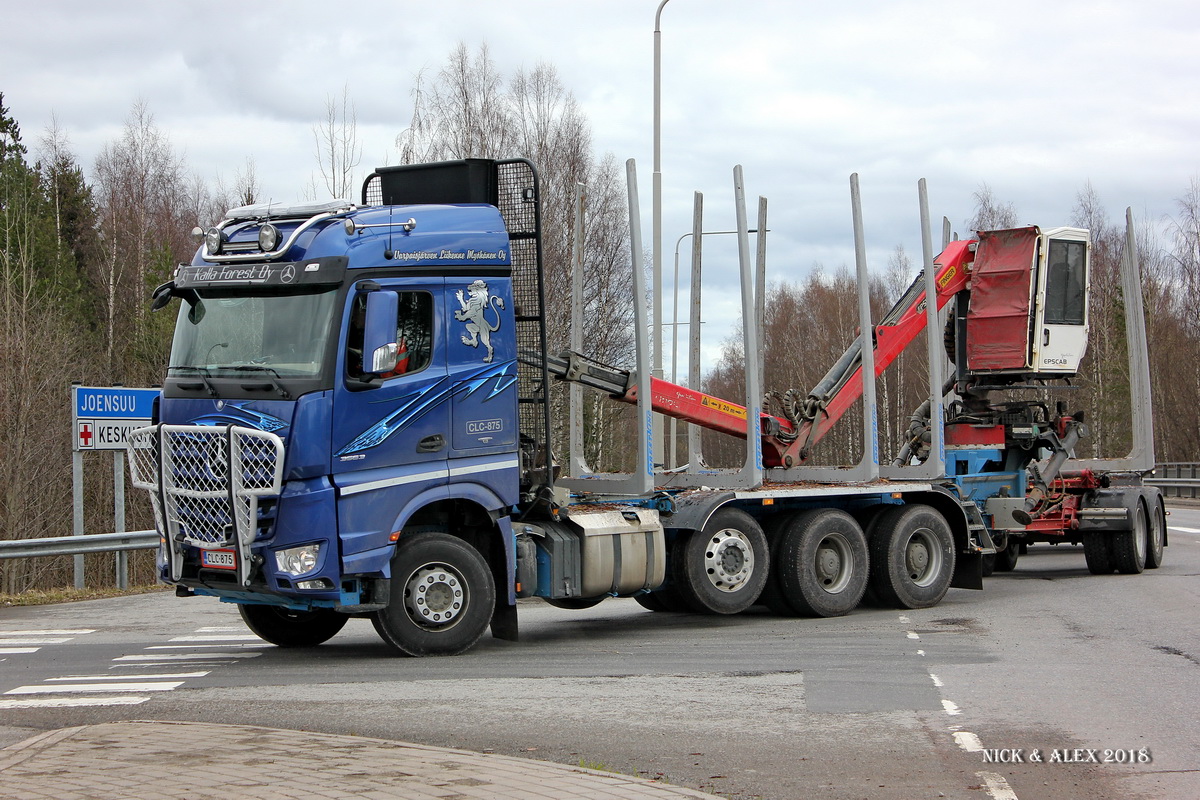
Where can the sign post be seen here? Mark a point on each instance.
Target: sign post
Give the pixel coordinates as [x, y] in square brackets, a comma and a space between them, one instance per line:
[101, 419]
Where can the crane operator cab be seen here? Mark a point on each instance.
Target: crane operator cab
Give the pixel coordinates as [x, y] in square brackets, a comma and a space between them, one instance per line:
[1028, 316]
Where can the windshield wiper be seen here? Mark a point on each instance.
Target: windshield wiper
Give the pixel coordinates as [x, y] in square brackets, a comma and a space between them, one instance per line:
[204, 376]
[275, 379]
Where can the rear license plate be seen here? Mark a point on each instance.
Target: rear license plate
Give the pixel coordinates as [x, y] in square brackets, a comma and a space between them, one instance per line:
[218, 559]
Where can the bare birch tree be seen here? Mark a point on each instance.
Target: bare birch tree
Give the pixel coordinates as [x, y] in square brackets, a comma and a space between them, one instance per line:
[338, 148]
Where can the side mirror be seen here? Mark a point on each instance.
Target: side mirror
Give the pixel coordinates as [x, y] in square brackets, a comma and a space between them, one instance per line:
[162, 295]
[379, 332]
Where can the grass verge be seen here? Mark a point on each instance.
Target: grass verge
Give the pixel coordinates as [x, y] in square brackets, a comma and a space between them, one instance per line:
[42, 597]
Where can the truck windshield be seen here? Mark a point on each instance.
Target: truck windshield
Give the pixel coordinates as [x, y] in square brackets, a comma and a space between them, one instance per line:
[286, 333]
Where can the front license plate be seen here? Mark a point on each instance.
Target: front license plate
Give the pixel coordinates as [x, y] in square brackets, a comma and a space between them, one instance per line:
[218, 559]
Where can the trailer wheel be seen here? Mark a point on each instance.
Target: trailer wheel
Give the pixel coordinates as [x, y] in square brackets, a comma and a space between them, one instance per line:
[1129, 546]
[288, 628]
[442, 594]
[822, 564]
[1157, 536]
[1097, 551]
[1006, 559]
[912, 557]
[723, 568]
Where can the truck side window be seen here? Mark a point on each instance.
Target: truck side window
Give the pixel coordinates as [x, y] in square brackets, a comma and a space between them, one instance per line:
[414, 334]
[1065, 296]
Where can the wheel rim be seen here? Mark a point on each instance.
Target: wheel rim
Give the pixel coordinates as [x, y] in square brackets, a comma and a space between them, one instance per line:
[1156, 531]
[1139, 533]
[728, 560]
[435, 596]
[923, 558]
[834, 563]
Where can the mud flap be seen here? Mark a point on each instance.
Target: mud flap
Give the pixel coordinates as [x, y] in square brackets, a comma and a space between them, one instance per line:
[968, 571]
[504, 619]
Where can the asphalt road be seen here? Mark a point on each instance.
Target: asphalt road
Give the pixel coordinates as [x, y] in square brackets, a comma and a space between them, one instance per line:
[944, 702]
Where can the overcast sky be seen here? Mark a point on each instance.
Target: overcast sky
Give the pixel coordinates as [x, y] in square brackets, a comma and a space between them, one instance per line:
[1035, 99]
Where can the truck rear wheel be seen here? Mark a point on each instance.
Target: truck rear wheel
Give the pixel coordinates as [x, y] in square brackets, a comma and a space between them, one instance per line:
[442, 595]
[822, 563]
[722, 569]
[288, 628]
[665, 599]
[912, 557]
[772, 595]
[1129, 546]
[1156, 536]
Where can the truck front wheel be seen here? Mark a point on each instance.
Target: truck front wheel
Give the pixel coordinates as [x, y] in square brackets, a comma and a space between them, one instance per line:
[442, 596]
[722, 569]
[912, 557]
[287, 628]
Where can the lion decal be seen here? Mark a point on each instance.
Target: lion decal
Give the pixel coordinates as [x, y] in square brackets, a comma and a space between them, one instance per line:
[479, 331]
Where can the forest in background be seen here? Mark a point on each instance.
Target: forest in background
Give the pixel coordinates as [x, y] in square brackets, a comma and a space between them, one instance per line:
[81, 246]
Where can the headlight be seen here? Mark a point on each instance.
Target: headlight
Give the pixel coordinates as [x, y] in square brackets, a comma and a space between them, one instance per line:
[213, 241]
[298, 560]
[268, 238]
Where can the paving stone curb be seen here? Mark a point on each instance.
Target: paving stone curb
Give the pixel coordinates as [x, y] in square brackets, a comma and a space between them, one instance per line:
[155, 760]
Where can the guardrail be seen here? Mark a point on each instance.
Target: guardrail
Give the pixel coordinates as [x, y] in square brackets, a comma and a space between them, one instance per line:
[1177, 479]
[117, 543]
[76, 545]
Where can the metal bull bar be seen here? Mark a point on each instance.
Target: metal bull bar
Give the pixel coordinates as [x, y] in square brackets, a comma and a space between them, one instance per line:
[204, 484]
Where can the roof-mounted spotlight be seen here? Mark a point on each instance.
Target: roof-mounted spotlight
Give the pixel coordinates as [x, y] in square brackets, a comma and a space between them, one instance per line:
[213, 240]
[268, 238]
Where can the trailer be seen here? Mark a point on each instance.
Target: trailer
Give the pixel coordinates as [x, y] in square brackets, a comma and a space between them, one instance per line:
[357, 420]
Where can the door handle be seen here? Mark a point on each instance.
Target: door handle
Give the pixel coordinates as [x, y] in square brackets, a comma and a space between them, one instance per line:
[431, 444]
[1046, 337]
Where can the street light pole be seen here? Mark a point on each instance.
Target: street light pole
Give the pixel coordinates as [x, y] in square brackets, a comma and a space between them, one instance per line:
[656, 218]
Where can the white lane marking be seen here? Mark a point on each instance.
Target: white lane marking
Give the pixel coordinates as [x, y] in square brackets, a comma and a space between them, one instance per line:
[951, 708]
[79, 688]
[55, 640]
[249, 637]
[187, 656]
[905, 620]
[221, 629]
[997, 786]
[1183, 530]
[73, 632]
[71, 702]
[259, 643]
[968, 741]
[913, 635]
[936, 680]
[16, 650]
[130, 677]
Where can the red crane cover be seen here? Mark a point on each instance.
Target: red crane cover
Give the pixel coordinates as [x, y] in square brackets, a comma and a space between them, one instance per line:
[998, 320]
